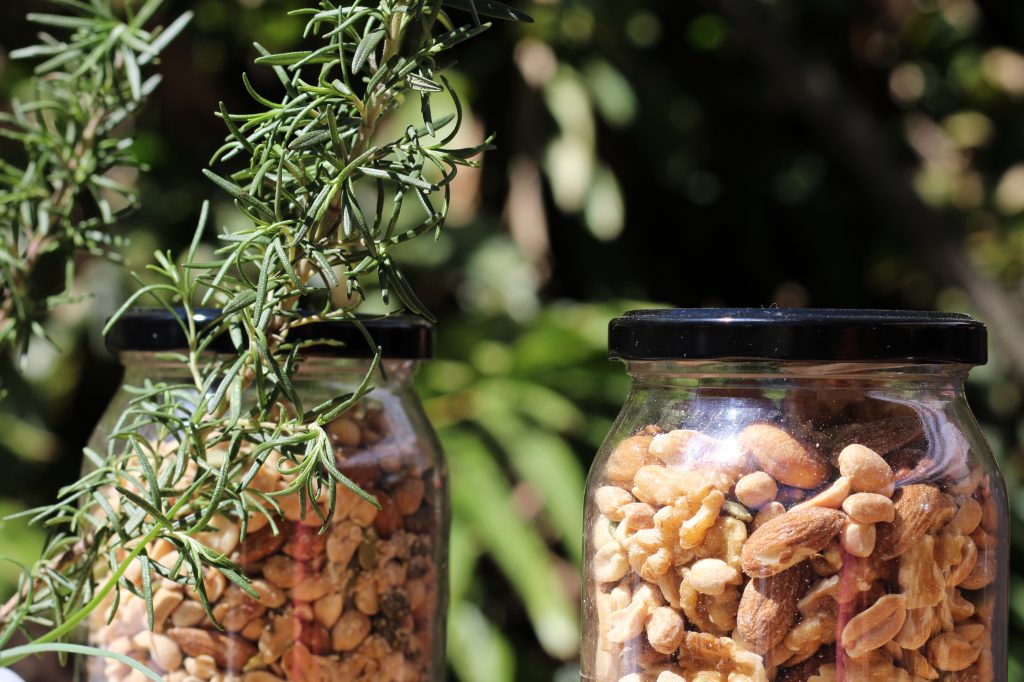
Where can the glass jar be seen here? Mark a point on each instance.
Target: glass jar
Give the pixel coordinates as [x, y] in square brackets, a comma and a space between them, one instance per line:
[798, 496]
[363, 600]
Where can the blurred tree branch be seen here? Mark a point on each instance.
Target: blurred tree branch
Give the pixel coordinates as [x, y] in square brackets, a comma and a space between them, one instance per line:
[854, 136]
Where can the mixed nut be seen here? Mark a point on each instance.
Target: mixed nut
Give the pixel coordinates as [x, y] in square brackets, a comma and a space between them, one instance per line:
[356, 603]
[795, 549]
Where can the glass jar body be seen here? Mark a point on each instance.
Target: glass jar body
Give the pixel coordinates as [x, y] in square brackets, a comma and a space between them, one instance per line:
[363, 599]
[792, 521]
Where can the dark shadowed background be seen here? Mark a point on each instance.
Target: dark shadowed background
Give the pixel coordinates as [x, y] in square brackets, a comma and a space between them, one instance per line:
[732, 152]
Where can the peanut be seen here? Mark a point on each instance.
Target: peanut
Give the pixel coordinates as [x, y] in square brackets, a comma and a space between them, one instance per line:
[350, 631]
[869, 508]
[874, 626]
[951, 651]
[756, 490]
[858, 538]
[867, 470]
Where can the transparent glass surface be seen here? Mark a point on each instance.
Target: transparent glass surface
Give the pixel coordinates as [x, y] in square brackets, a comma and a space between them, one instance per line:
[364, 601]
[798, 523]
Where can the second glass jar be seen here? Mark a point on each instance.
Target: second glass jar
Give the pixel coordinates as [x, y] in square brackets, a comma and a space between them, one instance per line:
[823, 513]
[363, 601]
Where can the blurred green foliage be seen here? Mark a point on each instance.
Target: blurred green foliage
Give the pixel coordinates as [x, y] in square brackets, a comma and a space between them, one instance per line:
[648, 151]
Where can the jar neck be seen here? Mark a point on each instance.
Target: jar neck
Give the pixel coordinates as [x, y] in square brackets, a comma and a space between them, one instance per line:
[160, 367]
[703, 373]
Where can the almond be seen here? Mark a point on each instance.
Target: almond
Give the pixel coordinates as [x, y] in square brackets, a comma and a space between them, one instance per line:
[789, 539]
[230, 653]
[883, 435]
[786, 459]
[917, 508]
[769, 607]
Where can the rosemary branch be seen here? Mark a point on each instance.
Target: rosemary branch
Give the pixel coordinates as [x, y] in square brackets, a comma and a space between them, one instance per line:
[326, 202]
[63, 198]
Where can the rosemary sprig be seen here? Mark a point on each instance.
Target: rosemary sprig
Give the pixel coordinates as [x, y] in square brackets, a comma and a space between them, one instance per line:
[327, 201]
[62, 198]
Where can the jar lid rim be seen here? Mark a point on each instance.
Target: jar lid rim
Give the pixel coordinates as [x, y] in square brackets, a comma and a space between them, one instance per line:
[158, 330]
[798, 334]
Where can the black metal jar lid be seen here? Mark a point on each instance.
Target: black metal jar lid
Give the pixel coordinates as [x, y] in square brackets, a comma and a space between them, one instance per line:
[797, 334]
[399, 336]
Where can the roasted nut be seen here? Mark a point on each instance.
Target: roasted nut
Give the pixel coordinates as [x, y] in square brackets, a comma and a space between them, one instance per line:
[627, 458]
[917, 628]
[363, 513]
[881, 435]
[692, 532]
[830, 498]
[345, 432]
[627, 623]
[724, 541]
[756, 490]
[223, 539]
[350, 631]
[271, 596]
[967, 517]
[261, 544]
[768, 512]
[409, 495]
[918, 666]
[964, 566]
[959, 608]
[874, 626]
[165, 602]
[820, 595]
[869, 508]
[858, 538]
[201, 667]
[389, 518]
[783, 457]
[283, 571]
[660, 485]
[984, 572]
[310, 588]
[327, 609]
[343, 542]
[951, 651]
[304, 543]
[611, 499]
[810, 634]
[164, 651]
[711, 576]
[769, 607]
[253, 629]
[665, 629]
[867, 471]
[918, 508]
[230, 653]
[919, 576]
[789, 539]
[990, 516]
[610, 563]
[187, 614]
